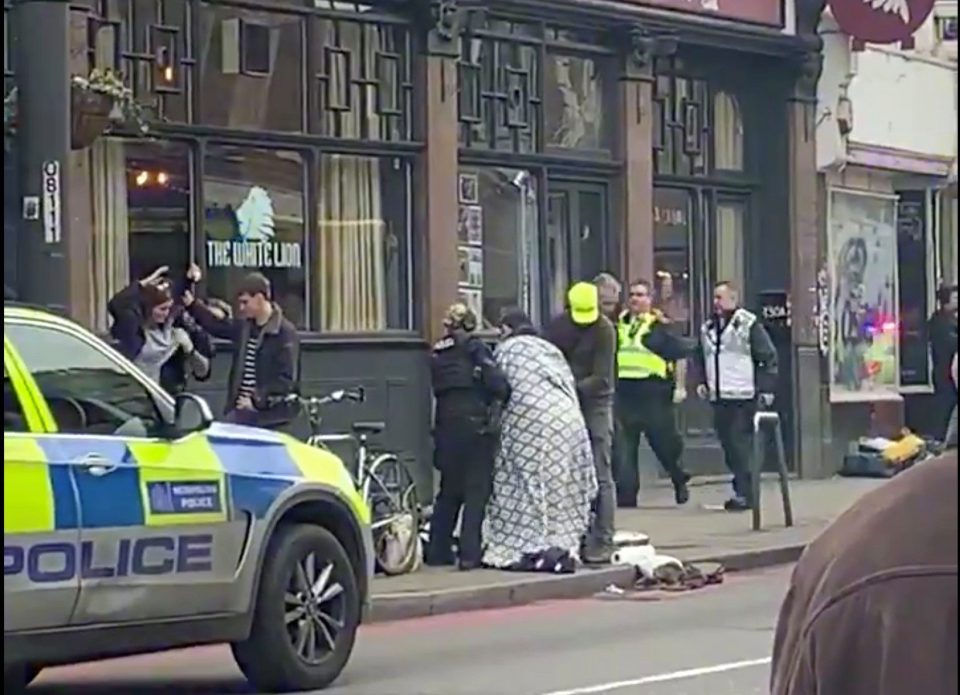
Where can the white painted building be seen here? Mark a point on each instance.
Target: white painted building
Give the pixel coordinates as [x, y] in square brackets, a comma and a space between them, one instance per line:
[887, 157]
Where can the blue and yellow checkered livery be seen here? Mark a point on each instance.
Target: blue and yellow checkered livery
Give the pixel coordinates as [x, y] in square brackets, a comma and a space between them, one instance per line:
[245, 471]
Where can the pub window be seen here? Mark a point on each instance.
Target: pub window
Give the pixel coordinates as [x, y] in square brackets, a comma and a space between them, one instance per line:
[361, 80]
[360, 267]
[253, 220]
[500, 101]
[575, 92]
[672, 220]
[148, 41]
[681, 125]
[497, 233]
[251, 68]
[727, 132]
[139, 206]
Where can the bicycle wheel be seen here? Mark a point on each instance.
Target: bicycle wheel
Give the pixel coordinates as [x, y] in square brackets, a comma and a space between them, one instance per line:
[392, 496]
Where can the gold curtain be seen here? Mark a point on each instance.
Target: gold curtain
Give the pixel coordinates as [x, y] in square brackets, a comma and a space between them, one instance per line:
[110, 241]
[349, 258]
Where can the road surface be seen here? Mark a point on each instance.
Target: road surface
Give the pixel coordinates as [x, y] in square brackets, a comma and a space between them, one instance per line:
[715, 641]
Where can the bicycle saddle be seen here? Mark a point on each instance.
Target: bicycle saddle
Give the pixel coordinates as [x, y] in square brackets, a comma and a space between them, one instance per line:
[369, 427]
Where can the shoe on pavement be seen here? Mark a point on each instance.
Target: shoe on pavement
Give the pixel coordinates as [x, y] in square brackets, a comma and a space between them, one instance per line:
[681, 492]
[736, 504]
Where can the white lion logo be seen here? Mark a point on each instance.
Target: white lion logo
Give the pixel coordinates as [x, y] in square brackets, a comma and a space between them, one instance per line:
[255, 216]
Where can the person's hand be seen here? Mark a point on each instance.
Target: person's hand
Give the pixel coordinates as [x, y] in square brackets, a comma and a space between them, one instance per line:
[679, 395]
[244, 402]
[194, 274]
[154, 277]
[182, 338]
[766, 399]
[702, 391]
[187, 298]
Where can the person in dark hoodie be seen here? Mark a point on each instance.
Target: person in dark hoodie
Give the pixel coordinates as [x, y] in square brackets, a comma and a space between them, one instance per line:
[467, 385]
[153, 332]
[588, 341]
[266, 354]
[942, 330]
[872, 604]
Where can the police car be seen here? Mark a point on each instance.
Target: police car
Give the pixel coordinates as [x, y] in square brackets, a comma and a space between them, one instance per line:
[132, 522]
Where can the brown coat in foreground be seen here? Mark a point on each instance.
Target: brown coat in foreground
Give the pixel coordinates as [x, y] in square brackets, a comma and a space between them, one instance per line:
[872, 608]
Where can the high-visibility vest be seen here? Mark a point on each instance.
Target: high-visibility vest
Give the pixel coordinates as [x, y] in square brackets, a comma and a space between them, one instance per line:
[634, 359]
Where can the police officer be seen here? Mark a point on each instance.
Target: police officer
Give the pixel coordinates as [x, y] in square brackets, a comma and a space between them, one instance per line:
[467, 385]
[647, 350]
[738, 366]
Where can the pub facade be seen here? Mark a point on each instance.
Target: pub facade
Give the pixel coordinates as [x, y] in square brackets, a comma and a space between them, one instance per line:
[379, 160]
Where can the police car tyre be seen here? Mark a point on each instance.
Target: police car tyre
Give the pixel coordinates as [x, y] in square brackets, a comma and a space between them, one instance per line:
[17, 677]
[307, 613]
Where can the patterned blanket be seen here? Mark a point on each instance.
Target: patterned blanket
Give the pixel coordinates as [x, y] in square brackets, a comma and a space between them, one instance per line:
[544, 479]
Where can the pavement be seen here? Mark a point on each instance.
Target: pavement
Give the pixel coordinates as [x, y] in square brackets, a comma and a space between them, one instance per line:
[696, 532]
[714, 641]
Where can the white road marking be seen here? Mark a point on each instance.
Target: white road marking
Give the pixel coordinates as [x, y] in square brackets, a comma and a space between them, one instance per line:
[662, 677]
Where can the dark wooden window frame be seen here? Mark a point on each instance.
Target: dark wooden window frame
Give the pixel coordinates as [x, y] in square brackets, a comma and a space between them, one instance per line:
[310, 146]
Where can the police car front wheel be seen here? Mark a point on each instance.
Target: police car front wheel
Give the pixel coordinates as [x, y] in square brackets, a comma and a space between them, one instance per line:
[307, 613]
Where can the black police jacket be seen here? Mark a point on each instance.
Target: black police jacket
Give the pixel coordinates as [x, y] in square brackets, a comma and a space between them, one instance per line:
[466, 380]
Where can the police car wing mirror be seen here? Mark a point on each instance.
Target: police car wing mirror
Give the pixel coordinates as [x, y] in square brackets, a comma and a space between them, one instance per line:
[191, 414]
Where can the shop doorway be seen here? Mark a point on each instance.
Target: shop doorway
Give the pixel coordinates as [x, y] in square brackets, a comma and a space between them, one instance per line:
[700, 238]
[576, 237]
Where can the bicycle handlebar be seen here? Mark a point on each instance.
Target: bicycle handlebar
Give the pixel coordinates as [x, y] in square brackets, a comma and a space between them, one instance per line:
[356, 395]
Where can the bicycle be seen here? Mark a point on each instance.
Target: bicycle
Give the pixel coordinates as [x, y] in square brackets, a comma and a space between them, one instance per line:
[382, 479]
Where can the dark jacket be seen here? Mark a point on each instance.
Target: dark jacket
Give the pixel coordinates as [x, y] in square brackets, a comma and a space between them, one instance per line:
[943, 346]
[466, 381]
[591, 352]
[126, 310]
[277, 366]
[762, 351]
[872, 606]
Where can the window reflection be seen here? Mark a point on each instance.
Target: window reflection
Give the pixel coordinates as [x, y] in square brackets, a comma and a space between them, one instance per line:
[251, 67]
[361, 245]
[671, 254]
[573, 99]
[253, 221]
[497, 240]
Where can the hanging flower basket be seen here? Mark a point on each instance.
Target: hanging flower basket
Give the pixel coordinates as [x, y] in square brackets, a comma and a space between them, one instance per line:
[89, 116]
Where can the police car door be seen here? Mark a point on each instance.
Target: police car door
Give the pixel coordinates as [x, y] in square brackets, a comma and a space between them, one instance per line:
[155, 540]
[39, 586]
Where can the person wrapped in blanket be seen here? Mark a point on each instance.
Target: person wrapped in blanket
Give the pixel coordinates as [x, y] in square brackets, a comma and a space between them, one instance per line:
[153, 331]
[544, 480]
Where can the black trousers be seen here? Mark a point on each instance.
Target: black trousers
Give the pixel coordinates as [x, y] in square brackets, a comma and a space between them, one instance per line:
[465, 461]
[733, 421]
[655, 418]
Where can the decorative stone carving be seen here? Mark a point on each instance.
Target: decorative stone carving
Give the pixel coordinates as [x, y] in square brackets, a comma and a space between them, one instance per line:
[443, 21]
[645, 46]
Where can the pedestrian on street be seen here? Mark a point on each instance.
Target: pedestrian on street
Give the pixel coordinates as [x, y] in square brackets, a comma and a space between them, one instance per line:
[610, 292]
[266, 354]
[942, 330]
[544, 479]
[588, 341]
[738, 368]
[647, 353]
[467, 385]
[153, 331]
[872, 604]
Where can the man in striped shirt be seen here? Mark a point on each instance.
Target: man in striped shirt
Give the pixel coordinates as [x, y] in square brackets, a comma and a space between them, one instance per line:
[266, 354]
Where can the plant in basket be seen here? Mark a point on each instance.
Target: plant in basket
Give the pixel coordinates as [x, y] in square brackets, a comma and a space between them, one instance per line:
[98, 102]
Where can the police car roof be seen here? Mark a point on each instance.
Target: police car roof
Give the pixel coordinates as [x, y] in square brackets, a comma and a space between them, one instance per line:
[36, 312]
